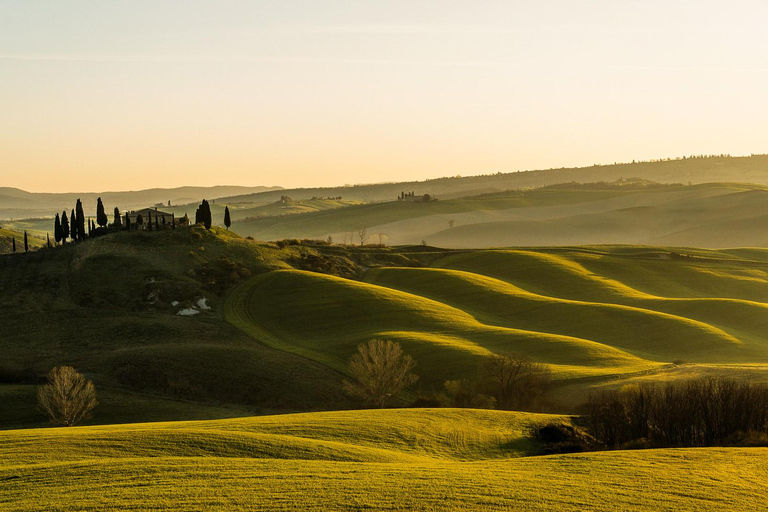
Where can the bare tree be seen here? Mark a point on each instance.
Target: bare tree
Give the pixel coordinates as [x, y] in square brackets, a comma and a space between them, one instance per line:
[382, 238]
[451, 223]
[362, 233]
[517, 380]
[381, 370]
[68, 398]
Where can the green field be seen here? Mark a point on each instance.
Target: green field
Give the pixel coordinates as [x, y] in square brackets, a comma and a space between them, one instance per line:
[425, 459]
[283, 319]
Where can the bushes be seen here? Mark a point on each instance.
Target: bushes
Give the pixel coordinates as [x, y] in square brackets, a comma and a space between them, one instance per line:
[701, 412]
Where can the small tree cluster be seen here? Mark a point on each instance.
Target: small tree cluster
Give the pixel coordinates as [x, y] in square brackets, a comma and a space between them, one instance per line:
[700, 412]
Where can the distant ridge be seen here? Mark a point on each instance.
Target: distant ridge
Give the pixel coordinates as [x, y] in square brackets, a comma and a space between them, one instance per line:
[19, 203]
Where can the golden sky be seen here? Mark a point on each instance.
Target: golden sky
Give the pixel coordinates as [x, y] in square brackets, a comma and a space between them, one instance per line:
[137, 94]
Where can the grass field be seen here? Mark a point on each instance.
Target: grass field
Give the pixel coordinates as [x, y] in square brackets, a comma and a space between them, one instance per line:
[423, 459]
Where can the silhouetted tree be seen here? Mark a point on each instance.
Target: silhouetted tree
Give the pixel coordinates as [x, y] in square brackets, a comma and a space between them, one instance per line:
[127, 221]
[149, 221]
[48, 239]
[73, 225]
[64, 227]
[157, 223]
[101, 215]
[380, 370]
[68, 398]
[13, 243]
[139, 220]
[205, 213]
[57, 229]
[26, 242]
[227, 220]
[118, 219]
[80, 220]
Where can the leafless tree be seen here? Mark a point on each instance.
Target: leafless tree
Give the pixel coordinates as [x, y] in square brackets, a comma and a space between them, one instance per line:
[451, 223]
[381, 370]
[362, 233]
[517, 380]
[68, 398]
[382, 238]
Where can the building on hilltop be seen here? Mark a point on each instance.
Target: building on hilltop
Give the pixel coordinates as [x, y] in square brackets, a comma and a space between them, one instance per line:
[163, 218]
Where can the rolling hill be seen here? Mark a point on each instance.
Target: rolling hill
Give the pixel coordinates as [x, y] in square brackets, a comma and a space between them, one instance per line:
[423, 459]
[715, 215]
[271, 321]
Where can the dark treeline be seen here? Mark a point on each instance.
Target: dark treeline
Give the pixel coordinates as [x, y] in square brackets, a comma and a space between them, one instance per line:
[701, 412]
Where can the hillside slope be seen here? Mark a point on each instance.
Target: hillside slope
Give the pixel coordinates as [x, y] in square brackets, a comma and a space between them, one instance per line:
[377, 460]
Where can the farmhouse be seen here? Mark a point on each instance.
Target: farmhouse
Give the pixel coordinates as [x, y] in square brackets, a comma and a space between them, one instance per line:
[163, 218]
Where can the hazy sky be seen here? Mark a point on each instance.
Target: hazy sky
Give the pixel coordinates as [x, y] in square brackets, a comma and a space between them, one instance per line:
[107, 95]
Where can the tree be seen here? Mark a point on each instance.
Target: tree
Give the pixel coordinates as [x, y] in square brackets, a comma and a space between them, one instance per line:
[227, 219]
[451, 222]
[127, 221]
[57, 229]
[517, 380]
[26, 242]
[149, 221]
[380, 370]
[101, 216]
[139, 220]
[118, 219]
[73, 225]
[157, 223]
[13, 244]
[64, 227]
[68, 398]
[48, 240]
[205, 212]
[362, 233]
[80, 220]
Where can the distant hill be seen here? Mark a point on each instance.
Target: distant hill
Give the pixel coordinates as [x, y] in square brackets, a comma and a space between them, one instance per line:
[751, 169]
[16, 203]
[712, 215]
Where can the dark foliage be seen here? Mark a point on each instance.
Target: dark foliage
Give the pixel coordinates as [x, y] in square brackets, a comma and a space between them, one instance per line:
[701, 412]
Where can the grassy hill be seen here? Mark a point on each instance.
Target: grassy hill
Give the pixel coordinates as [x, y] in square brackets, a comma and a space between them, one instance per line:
[7, 236]
[271, 321]
[709, 215]
[379, 460]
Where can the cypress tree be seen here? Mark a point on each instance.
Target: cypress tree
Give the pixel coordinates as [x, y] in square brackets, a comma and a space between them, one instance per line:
[205, 214]
[48, 239]
[80, 221]
[93, 227]
[117, 219]
[26, 242]
[101, 216]
[14, 243]
[64, 227]
[127, 221]
[149, 222]
[57, 229]
[227, 220]
[157, 223]
[73, 225]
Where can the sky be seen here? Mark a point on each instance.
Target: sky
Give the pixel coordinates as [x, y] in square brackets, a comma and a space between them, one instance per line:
[126, 95]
